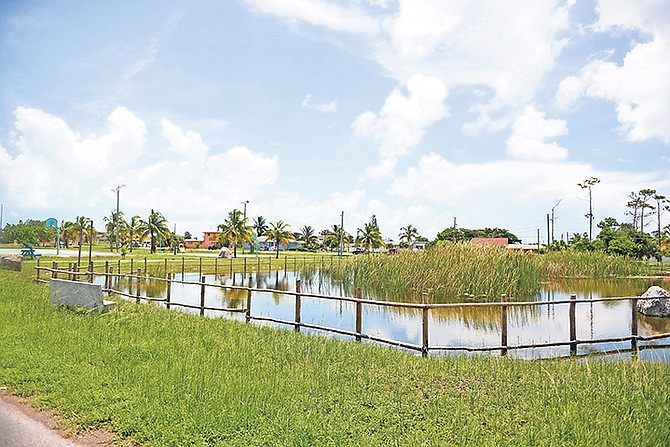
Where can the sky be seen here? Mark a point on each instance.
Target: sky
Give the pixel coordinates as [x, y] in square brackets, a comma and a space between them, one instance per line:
[421, 112]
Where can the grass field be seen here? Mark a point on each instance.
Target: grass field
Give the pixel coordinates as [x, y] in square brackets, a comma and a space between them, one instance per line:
[159, 378]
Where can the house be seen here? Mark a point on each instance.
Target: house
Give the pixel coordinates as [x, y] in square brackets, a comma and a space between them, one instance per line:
[418, 245]
[496, 241]
[210, 239]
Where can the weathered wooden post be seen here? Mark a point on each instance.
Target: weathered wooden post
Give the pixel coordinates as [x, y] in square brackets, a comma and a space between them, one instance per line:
[297, 305]
[90, 272]
[111, 280]
[633, 323]
[424, 338]
[573, 325]
[182, 268]
[145, 263]
[38, 270]
[164, 264]
[200, 266]
[244, 269]
[503, 325]
[139, 279]
[295, 264]
[248, 313]
[216, 266]
[132, 267]
[54, 269]
[269, 264]
[202, 295]
[258, 263]
[231, 266]
[285, 262]
[359, 314]
[107, 276]
[168, 292]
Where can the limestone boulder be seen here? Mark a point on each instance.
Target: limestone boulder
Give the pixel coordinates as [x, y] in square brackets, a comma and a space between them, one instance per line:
[657, 304]
[11, 262]
[225, 253]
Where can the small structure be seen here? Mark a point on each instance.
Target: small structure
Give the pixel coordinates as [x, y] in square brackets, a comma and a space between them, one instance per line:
[78, 295]
[657, 304]
[28, 251]
[11, 262]
[495, 241]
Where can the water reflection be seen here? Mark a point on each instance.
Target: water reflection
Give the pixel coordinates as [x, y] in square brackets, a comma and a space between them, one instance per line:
[448, 327]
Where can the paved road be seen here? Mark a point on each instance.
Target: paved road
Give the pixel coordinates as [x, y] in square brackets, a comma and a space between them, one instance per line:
[21, 426]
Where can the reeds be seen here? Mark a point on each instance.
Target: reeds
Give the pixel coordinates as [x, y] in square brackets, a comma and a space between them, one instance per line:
[451, 272]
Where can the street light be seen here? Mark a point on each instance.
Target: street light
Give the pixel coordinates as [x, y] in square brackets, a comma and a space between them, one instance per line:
[245, 218]
[116, 216]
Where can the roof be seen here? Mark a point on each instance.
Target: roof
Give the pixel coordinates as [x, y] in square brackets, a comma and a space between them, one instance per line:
[502, 241]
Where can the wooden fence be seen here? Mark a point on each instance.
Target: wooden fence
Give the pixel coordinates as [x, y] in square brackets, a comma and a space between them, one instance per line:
[73, 272]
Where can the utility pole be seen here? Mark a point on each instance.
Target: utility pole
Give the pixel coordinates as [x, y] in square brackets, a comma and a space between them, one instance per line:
[2, 210]
[245, 217]
[341, 234]
[553, 222]
[548, 233]
[454, 232]
[116, 217]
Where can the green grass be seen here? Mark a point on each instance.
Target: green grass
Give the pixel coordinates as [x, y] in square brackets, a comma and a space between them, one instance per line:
[161, 378]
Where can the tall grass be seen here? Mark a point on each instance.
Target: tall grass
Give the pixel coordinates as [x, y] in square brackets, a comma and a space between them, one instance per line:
[159, 378]
[457, 271]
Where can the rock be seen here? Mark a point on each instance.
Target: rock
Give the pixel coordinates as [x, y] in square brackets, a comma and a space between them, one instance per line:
[11, 262]
[659, 306]
[225, 253]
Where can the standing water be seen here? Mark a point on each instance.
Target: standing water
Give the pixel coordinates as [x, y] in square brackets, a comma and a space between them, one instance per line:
[474, 327]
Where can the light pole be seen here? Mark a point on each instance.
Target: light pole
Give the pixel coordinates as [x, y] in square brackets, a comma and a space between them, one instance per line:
[116, 217]
[245, 218]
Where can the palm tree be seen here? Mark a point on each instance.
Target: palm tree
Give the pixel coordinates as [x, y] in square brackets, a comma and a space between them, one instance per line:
[408, 234]
[81, 226]
[279, 232]
[260, 225]
[308, 236]
[234, 230]
[134, 228]
[334, 236]
[110, 227]
[155, 226]
[369, 237]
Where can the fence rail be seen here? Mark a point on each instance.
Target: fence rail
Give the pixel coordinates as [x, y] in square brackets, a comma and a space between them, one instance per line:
[73, 272]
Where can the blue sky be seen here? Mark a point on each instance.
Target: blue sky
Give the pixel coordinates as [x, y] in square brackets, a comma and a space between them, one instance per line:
[416, 111]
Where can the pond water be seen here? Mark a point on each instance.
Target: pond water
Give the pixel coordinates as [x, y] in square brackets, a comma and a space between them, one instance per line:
[448, 327]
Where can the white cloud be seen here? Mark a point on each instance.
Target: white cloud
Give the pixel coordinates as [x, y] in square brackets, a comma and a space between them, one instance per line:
[402, 120]
[493, 193]
[319, 13]
[529, 134]
[328, 107]
[70, 169]
[506, 46]
[639, 86]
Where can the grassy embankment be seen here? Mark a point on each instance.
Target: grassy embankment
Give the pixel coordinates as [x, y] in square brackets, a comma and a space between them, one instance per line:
[165, 378]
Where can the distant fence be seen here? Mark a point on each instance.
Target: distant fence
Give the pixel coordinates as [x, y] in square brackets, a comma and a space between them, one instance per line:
[73, 272]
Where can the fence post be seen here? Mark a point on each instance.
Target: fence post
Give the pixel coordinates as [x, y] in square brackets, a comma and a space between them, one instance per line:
[54, 268]
[202, 294]
[145, 264]
[295, 264]
[139, 279]
[285, 262]
[165, 264]
[216, 265]
[38, 270]
[248, 313]
[118, 267]
[231, 266]
[359, 314]
[132, 265]
[90, 269]
[573, 326]
[298, 289]
[269, 264]
[503, 324]
[200, 266]
[168, 292]
[107, 276]
[424, 338]
[633, 324]
[258, 263]
[182, 269]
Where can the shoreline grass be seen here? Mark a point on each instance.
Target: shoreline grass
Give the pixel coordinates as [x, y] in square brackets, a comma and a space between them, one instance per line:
[156, 378]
